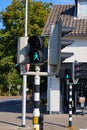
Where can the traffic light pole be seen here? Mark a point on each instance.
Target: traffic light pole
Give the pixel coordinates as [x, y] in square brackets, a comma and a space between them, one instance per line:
[70, 103]
[36, 112]
[24, 100]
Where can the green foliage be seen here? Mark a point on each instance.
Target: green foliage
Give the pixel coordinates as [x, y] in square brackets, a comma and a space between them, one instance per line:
[13, 18]
[38, 13]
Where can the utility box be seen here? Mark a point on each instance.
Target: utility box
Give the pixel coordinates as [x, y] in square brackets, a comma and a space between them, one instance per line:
[22, 51]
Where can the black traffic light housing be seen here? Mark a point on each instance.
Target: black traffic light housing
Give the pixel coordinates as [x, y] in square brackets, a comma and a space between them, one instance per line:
[36, 45]
[76, 71]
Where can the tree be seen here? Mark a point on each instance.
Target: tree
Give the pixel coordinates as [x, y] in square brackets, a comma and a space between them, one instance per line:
[13, 22]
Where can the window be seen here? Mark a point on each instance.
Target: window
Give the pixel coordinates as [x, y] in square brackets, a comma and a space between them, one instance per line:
[82, 8]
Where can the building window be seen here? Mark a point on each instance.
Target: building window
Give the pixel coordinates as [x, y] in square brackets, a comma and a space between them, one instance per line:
[82, 8]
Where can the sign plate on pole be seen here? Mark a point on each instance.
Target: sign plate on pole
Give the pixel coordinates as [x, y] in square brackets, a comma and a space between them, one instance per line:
[81, 99]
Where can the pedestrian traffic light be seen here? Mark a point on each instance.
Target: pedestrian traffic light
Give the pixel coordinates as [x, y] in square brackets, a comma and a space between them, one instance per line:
[68, 73]
[36, 45]
[76, 71]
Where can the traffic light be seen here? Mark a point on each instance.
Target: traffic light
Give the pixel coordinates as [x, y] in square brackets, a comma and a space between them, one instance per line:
[22, 51]
[76, 71]
[57, 44]
[36, 45]
[68, 73]
[64, 43]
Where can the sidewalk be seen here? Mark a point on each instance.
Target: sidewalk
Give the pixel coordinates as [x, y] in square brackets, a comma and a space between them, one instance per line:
[10, 119]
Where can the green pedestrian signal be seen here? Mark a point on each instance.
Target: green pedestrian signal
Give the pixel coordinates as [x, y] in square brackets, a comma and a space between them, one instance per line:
[36, 56]
[67, 76]
[68, 73]
[36, 45]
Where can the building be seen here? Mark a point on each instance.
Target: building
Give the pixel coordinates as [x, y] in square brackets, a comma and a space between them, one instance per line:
[72, 16]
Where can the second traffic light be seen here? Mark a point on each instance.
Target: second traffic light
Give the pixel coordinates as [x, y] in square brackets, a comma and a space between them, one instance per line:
[36, 45]
[76, 71]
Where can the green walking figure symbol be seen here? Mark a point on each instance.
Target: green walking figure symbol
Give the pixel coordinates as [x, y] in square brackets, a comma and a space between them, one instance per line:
[36, 56]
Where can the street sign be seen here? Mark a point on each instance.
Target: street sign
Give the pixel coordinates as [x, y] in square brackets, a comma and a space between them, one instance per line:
[81, 99]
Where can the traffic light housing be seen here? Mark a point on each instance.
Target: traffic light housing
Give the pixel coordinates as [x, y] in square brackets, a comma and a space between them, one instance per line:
[64, 43]
[22, 51]
[36, 45]
[57, 44]
[76, 71]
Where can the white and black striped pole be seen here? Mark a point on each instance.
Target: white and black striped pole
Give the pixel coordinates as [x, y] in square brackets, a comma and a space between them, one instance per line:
[70, 105]
[36, 112]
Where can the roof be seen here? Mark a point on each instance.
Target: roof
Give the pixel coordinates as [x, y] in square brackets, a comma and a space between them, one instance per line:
[68, 20]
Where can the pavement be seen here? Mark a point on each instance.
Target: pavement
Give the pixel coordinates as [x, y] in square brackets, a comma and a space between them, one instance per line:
[11, 119]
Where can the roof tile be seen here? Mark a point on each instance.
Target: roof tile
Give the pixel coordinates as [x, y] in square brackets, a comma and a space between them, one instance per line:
[68, 19]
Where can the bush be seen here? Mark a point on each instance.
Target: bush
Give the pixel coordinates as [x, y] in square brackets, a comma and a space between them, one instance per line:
[14, 93]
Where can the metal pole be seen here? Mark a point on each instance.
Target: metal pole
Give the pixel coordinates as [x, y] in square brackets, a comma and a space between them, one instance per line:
[24, 76]
[26, 18]
[50, 96]
[49, 79]
[24, 101]
[70, 105]
[36, 112]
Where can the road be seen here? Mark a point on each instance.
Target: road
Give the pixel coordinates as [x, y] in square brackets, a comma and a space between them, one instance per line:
[10, 118]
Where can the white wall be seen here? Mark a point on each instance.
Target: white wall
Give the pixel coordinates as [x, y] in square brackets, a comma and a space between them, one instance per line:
[79, 48]
[54, 95]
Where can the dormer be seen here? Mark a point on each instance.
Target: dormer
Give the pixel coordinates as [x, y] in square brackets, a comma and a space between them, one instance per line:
[81, 8]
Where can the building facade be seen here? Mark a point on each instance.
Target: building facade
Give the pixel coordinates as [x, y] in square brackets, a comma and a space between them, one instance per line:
[72, 16]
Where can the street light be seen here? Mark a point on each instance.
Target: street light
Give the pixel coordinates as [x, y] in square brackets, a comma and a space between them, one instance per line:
[24, 76]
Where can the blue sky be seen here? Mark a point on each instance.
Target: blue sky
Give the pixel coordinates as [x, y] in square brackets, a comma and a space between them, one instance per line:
[5, 3]
[59, 1]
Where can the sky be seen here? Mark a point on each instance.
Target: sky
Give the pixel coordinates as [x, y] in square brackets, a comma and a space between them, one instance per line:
[5, 3]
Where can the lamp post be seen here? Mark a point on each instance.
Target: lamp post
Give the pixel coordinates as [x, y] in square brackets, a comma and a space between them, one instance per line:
[24, 76]
[26, 18]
